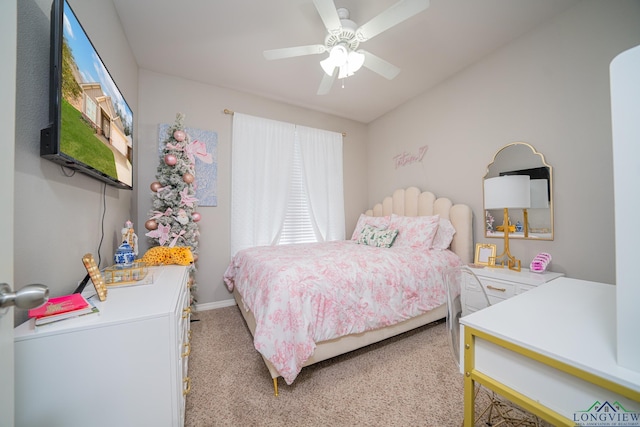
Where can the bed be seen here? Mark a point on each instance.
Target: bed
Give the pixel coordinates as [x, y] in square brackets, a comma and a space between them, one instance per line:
[375, 292]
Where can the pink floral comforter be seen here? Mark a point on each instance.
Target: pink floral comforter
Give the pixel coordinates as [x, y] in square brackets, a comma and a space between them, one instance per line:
[305, 293]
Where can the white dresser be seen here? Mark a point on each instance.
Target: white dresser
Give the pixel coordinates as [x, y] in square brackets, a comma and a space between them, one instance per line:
[500, 284]
[126, 366]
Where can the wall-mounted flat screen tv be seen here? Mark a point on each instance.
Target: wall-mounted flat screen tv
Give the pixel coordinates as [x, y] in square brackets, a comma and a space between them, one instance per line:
[91, 124]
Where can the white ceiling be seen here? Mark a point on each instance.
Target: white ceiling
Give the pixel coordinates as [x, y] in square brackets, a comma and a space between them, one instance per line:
[220, 42]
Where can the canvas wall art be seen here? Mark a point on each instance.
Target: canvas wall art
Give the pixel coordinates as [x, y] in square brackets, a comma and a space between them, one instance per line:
[206, 173]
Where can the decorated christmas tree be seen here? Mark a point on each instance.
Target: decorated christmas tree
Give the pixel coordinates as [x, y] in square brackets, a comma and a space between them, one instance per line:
[173, 218]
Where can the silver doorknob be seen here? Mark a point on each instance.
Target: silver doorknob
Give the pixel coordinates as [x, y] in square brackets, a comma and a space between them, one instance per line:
[31, 296]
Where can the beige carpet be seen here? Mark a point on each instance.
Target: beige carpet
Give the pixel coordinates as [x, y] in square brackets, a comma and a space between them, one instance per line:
[410, 380]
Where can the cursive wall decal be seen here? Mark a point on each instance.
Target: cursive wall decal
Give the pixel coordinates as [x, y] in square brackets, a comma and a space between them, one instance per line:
[405, 158]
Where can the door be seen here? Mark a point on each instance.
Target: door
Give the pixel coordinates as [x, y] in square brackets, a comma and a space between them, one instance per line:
[8, 23]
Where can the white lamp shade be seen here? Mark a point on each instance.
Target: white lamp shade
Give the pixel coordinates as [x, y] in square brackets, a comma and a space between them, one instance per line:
[509, 191]
[328, 66]
[539, 193]
[356, 60]
[339, 55]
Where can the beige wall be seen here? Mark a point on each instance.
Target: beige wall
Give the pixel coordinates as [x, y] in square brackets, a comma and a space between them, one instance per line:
[57, 218]
[550, 88]
[162, 96]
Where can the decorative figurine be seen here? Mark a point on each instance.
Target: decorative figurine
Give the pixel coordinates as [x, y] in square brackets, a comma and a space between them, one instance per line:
[129, 236]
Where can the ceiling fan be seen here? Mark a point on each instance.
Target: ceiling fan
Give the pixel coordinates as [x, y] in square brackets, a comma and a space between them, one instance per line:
[344, 38]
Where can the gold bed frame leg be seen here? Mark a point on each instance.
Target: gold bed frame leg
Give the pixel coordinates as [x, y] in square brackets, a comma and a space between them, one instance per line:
[275, 386]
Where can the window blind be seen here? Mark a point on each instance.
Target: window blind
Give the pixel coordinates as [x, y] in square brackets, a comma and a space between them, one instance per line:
[297, 226]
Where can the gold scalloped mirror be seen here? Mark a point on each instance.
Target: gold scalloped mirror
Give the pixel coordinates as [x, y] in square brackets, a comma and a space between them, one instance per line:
[535, 223]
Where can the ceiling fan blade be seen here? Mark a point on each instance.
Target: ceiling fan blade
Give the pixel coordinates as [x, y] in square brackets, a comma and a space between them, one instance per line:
[329, 15]
[397, 13]
[290, 52]
[379, 65]
[327, 82]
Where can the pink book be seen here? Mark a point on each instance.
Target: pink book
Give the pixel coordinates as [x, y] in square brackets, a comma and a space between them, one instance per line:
[59, 305]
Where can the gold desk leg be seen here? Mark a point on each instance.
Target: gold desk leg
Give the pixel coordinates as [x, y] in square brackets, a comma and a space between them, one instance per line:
[275, 386]
[469, 395]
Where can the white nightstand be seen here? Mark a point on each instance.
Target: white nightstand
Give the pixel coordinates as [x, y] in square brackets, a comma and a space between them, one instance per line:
[501, 284]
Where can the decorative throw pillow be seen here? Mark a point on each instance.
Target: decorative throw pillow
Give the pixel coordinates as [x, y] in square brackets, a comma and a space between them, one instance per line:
[381, 222]
[415, 231]
[372, 236]
[444, 235]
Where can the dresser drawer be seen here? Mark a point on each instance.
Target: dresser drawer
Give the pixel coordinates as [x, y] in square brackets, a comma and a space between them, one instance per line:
[500, 284]
[498, 289]
[523, 288]
[472, 298]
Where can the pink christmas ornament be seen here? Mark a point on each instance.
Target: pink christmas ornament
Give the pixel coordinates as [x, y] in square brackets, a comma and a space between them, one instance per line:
[155, 186]
[188, 178]
[151, 224]
[196, 217]
[170, 159]
[179, 135]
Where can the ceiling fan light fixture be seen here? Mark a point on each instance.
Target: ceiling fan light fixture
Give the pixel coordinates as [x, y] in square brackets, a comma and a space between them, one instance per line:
[353, 64]
[338, 57]
[355, 61]
[328, 66]
[344, 72]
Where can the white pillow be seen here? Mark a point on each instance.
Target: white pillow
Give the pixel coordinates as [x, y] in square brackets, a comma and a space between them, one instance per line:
[414, 231]
[444, 235]
[381, 222]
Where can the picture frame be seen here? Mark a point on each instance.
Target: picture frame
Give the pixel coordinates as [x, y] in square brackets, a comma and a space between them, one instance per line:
[485, 254]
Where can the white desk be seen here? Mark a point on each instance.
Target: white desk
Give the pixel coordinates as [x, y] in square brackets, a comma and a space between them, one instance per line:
[552, 351]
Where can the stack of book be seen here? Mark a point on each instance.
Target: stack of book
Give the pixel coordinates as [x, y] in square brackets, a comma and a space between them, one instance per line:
[61, 308]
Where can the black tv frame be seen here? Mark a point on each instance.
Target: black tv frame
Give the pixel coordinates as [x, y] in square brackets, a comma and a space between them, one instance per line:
[50, 144]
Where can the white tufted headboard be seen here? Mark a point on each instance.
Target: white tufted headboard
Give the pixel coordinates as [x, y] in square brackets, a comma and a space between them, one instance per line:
[413, 202]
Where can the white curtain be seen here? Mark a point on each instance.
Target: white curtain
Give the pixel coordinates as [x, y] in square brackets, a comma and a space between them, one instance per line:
[262, 157]
[322, 162]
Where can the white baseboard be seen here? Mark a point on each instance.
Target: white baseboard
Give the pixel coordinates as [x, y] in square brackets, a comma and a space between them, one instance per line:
[214, 305]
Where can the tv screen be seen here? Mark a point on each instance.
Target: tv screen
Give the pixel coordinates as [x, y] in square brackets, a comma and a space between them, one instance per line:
[91, 124]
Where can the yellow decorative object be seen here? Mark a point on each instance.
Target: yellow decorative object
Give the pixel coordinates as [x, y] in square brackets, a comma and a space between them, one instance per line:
[95, 275]
[162, 255]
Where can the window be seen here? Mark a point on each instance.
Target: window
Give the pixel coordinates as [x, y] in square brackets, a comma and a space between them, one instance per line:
[297, 226]
[90, 109]
[286, 183]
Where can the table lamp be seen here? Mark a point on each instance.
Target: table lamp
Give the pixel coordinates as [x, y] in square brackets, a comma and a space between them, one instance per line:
[507, 192]
[539, 200]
